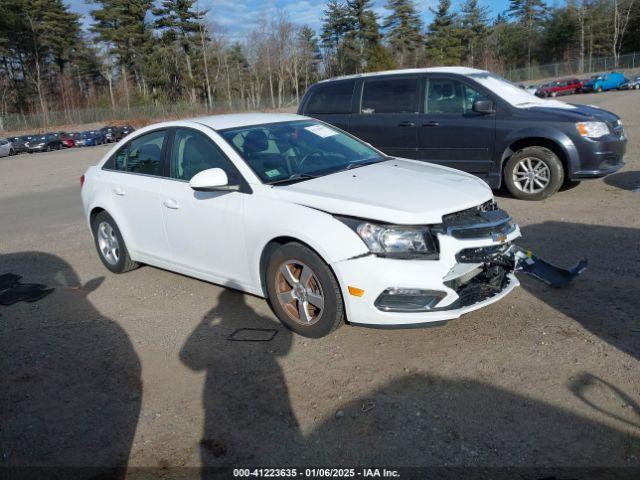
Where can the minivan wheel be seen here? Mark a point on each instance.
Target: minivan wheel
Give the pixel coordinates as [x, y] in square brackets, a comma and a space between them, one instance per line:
[110, 244]
[303, 292]
[599, 89]
[533, 173]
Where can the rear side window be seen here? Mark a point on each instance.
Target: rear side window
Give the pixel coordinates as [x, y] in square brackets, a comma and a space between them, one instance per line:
[393, 95]
[141, 155]
[332, 97]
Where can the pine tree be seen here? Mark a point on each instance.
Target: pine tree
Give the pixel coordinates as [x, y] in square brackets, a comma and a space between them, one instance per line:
[120, 24]
[474, 24]
[404, 32]
[310, 53]
[530, 15]
[337, 22]
[180, 22]
[444, 46]
[365, 36]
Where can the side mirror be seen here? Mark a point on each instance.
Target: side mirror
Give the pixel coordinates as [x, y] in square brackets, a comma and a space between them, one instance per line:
[211, 180]
[483, 106]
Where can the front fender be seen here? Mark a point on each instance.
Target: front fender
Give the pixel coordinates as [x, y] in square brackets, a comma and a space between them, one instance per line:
[559, 138]
[273, 219]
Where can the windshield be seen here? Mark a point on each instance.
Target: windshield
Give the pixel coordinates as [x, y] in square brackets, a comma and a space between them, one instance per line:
[505, 89]
[279, 152]
[512, 94]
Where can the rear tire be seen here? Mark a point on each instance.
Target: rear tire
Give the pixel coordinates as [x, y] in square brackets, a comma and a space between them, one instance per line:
[533, 173]
[599, 89]
[110, 245]
[303, 292]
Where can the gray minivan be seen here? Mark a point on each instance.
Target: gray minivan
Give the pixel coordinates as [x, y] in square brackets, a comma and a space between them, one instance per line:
[474, 121]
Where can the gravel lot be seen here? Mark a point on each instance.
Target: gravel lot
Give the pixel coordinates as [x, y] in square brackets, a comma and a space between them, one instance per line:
[137, 368]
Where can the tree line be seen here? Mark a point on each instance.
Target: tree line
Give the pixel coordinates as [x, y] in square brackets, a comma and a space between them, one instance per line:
[140, 52]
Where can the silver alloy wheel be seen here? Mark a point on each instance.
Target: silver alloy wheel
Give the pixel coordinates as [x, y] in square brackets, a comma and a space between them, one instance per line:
[531, 175]
[299, 292]
[108, 243]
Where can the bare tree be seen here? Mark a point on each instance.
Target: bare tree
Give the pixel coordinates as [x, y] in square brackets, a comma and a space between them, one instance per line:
[621, 14]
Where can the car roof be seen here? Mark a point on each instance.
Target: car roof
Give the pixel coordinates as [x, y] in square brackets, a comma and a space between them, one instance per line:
[234, 120]
[458, 70]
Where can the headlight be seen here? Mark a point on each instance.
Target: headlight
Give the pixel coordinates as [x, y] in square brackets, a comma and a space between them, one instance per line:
[592, 129]
[395, 241]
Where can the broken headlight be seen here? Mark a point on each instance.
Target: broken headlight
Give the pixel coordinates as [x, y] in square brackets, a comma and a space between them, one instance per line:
[397, 241]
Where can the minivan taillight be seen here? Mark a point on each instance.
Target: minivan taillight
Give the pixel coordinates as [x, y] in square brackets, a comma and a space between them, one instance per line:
[81, 181]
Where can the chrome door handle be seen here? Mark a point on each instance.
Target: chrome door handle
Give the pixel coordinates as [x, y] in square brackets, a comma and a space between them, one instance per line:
[407, 124]
[430, 124]
[118, 191]
[171, 203]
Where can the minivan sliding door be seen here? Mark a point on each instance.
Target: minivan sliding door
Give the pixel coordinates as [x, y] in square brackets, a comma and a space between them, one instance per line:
[388, 114]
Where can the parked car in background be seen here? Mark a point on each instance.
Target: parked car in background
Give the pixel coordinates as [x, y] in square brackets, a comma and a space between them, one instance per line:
[474, 121]
[561, 87]
[90, 138]
[112, 133]
[604, 82]
[19, 143]
[69, 140]
[6, 148]
[632, 84]
[126, 130]
[43, 143]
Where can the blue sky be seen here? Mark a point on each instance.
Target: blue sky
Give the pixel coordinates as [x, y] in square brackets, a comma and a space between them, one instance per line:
[239, 16]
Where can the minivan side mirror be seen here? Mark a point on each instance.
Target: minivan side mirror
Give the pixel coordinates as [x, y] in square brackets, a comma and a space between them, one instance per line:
[483, 106]
[211, 180]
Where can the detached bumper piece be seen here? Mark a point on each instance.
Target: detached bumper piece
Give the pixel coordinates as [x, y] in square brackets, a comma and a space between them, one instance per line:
[552, 275]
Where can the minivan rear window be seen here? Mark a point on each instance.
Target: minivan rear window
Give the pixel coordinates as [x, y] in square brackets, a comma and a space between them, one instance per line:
[331, 97]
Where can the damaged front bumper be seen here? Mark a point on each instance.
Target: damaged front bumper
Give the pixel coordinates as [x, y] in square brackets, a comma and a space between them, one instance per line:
[477, 266]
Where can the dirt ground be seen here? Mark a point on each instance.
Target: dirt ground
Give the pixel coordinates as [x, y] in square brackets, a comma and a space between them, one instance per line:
[136, 369]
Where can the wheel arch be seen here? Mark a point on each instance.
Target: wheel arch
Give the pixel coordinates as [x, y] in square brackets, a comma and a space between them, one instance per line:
[555, 145]
[275, 243]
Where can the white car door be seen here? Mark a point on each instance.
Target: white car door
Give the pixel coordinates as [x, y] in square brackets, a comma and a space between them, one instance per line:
[5, 148]
[205, 229]
[135, 178]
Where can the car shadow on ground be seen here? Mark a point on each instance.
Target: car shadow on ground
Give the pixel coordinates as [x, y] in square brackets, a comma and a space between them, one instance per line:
[411, 420]
[604, 299]
[71, 379]
[624, 180]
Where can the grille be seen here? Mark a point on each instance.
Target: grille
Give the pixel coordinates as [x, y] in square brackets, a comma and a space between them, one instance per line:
[483, 286]
[486, 220]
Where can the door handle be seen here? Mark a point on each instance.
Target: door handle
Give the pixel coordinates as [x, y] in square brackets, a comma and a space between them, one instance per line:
[407, 124]
[171, 203]
[118, 191]
[430, 124]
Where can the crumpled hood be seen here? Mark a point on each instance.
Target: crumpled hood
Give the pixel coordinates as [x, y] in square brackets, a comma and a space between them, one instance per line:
[396, 191]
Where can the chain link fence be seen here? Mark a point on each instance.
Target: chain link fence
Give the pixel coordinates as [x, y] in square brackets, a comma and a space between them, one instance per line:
[137, 114]
[151, 111]
[574, 68]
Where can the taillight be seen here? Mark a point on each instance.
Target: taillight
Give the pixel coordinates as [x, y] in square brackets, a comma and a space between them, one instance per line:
[81, 181]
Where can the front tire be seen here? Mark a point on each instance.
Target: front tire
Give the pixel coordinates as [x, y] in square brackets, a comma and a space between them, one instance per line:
[303, 292]
[110, 244]
[533, 173]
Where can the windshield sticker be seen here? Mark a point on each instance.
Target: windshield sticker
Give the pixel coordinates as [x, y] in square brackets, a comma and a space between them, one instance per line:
[272, 173]
[321, 131]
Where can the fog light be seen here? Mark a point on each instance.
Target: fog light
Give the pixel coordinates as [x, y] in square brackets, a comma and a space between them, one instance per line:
[408, 300]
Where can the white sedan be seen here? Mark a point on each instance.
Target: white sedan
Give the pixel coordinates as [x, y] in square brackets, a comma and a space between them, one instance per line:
[326, 227]
[6, 148]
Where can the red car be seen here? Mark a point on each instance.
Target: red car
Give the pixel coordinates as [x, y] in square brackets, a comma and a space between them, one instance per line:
[68, 140]
[560, 87]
